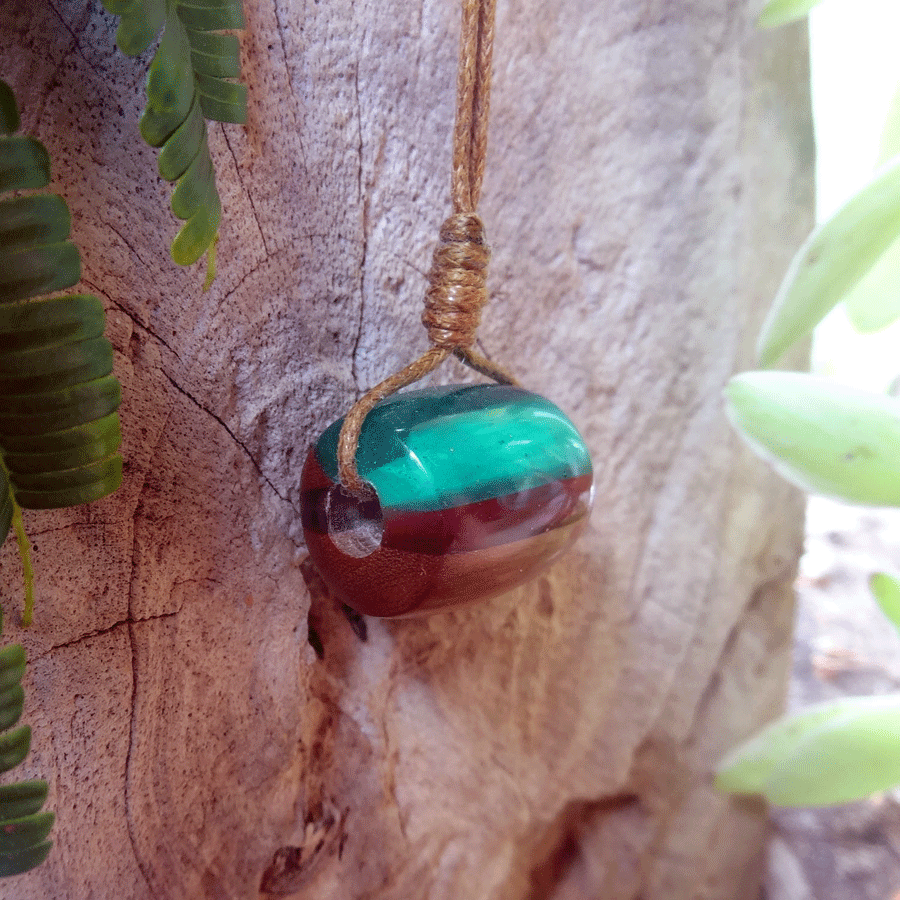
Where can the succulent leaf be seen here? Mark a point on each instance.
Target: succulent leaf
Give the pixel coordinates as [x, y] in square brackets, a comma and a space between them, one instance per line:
[832, 261]
[11, 702]
[833, 752]
[20, 834]
[780, 12]
[874, 303]
[59, 432]
[824, 437]
[886, 591]
[141, 21]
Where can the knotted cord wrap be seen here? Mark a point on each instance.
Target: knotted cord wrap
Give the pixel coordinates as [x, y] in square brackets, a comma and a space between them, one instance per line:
[457, 289]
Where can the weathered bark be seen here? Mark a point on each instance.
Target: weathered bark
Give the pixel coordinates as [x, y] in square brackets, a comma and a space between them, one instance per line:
[649, 175]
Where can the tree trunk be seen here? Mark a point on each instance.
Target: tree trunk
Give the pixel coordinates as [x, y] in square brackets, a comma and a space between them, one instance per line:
[649, 175]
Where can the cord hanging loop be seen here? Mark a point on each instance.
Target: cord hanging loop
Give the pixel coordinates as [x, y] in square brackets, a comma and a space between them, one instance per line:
[457, 289]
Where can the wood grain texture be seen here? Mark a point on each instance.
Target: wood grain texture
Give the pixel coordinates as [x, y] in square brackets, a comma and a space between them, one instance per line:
[649, 174]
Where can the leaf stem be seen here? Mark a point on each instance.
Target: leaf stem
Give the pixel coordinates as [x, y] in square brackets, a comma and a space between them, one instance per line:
[27, 570]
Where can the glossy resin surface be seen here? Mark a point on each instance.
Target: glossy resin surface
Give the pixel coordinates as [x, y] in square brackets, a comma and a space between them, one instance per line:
[479, 488]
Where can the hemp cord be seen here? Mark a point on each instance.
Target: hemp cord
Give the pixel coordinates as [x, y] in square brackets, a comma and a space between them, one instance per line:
[457, 289]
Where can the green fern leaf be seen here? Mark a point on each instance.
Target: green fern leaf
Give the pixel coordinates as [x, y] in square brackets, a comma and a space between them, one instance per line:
[9, 112]
[59, 432]
[17, 835]
[12, 666]
[187, 84]
[141, 21]
[24, 860]
[23, 828]
[58, 429]
[21, 799]
[11, 702]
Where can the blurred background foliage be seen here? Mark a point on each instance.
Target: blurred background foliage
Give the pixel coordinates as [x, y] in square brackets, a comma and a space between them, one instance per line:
[838, 436]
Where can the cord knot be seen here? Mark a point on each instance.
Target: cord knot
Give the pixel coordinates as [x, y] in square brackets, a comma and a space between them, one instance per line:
[457, 289]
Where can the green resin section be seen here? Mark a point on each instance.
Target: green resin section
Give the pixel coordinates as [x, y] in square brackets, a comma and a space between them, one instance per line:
[443, 447]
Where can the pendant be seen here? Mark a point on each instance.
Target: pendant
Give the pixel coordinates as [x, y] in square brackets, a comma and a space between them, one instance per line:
[478, 488]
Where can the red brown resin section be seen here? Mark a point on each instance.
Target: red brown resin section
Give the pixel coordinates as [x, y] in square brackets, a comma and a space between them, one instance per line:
[403, 580]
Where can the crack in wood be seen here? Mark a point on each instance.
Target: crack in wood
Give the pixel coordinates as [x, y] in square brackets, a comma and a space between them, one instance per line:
[132, 738]
[234, 437]
[251, 271]
[100, 632]
[279, 26]
[132, 717]
[240, 177]
[131, 316]
[125, 241]
[78, 49]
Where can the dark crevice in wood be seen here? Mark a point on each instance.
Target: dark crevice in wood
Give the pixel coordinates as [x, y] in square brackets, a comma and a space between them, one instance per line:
[293, 867]
[357, 622]
[312, 637]
[562, 843]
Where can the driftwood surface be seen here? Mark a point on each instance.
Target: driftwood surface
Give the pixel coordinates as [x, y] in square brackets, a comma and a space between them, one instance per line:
[649, 176]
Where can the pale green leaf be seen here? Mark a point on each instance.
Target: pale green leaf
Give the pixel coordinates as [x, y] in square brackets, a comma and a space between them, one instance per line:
[886, 591]
[890, 133]
[780, 12]
[748, 768]
[824, 437]
[874, 303]
[833, 260]
[849, 758]
[833, 752]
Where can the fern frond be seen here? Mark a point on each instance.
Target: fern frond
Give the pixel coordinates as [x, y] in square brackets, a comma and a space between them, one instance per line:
[23, 828]
[141, 21]
[59, 431]
[187, 85]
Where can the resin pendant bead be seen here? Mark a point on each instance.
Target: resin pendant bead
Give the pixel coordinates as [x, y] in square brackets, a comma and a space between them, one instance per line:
[478, 489]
